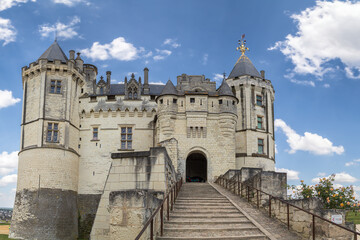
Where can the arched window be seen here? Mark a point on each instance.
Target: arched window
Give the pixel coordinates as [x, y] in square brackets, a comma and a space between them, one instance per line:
[135, 95]
[101, 90]
[130, 95]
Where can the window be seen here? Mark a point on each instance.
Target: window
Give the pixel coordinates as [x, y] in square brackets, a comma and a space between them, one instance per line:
[174, 100]
[101, 90]
[52, 132]
[95, 133]
[55, 86]
[126, 138]
[111, 98]
[192, 100]
[260, 146]
[259, 100]
[161, 101]
[93, 99]
[220, 101]
[152, 97]
[259, 122]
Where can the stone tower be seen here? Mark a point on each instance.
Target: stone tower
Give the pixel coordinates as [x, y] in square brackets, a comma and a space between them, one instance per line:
[255, 143]
[46, 197]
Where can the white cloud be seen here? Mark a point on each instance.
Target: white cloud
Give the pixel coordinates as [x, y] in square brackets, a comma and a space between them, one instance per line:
[310, 142]
[71, 3]
[325, 32]
[291, 174]
[157, 83]
[118, 49]
[353, 163]
[218, 77]
[276, 150]
[171, 42]
[63, 31]
[342, 177]
[7, 99]
[326, 85]
[9, 179]
[205, 58]
[7, 31]
[8, 162]
[321, 174]
[161, 54]
[5, 4]
[304, 83]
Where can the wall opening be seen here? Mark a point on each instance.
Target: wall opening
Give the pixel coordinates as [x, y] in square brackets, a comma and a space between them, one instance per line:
[196, 168]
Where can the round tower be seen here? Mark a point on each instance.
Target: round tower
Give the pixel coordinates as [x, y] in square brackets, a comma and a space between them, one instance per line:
[255, 142]
[46, 195]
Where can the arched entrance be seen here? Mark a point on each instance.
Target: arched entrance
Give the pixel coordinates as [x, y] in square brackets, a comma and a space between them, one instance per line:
[196, 168]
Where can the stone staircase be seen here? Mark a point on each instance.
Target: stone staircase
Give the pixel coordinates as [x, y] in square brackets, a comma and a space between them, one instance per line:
[202, 213]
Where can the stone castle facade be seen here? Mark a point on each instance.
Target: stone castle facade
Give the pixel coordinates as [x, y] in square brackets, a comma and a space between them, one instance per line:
[83, 138]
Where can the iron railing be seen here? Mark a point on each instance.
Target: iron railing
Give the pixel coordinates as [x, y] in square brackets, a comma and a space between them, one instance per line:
[237, 187]
[170, 201]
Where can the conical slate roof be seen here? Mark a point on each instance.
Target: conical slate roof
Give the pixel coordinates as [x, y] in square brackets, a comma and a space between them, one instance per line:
[225, 90]
[54, 52]
[169, 89]
[244, 67]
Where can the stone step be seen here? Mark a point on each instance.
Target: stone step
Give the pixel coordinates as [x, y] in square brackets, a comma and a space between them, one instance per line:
[194, 215]
[204, 210]
[206, 214]
[252, 237]
[243, 226]
[216, 221]
[201, 201]
[179, 206]
[205, 204]
[212, 232]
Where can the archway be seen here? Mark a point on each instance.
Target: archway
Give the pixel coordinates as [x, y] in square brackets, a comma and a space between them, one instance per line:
[196, 168]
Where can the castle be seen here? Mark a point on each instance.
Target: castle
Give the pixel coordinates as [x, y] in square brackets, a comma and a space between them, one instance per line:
[83, 139]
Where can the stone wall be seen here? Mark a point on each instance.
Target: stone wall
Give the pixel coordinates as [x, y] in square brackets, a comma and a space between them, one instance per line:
[130, 174]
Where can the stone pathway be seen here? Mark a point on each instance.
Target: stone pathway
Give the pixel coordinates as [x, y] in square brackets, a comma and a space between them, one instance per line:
[202, 213]
[273, 226]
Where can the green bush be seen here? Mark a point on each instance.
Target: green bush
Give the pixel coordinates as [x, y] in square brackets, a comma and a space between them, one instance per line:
[332, 198]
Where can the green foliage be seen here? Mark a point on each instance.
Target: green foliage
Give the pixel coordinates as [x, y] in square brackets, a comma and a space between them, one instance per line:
[353, 216]
[332, 198]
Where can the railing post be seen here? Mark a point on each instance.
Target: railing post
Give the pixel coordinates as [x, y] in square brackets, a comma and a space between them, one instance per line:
[241, 187]
[238, 187]
[269, 205]
[172, 199]
[313, 226]
[152, 230]
[248, 193]
[288, 216]
[162, 219]
[355, 236]
[168, 208]
[257, 198]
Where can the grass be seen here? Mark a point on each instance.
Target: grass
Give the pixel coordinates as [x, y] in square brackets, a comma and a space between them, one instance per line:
[3, 237]
[4, 223]
[353, 217]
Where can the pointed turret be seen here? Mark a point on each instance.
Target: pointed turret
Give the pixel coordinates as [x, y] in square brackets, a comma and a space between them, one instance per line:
[244, 67]
[54, 52]
[225, 90]
[169, 89]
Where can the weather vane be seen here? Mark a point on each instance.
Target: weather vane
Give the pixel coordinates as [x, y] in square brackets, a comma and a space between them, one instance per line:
[241, 46]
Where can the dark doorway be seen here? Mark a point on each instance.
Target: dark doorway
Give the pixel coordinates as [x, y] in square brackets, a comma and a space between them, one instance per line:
[196, 168]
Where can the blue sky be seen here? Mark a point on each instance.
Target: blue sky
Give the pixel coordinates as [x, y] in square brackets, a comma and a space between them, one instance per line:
[308, 49]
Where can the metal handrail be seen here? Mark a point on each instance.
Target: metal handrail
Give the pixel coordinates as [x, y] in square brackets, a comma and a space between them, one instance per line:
[169, 199]
[226, 182]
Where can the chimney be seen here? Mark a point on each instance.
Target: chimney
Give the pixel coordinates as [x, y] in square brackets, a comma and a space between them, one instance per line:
[108, 77]
[262, 72]
[140, 80]
[79, 62]
[146, 81]
[72, 54]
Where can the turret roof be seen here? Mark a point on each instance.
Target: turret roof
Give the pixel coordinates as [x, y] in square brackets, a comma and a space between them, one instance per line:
[244, 67]
[169, 89]
[54, 52]
[225, 90]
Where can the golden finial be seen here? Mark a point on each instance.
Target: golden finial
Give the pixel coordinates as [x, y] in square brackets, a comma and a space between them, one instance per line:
[242, 47]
